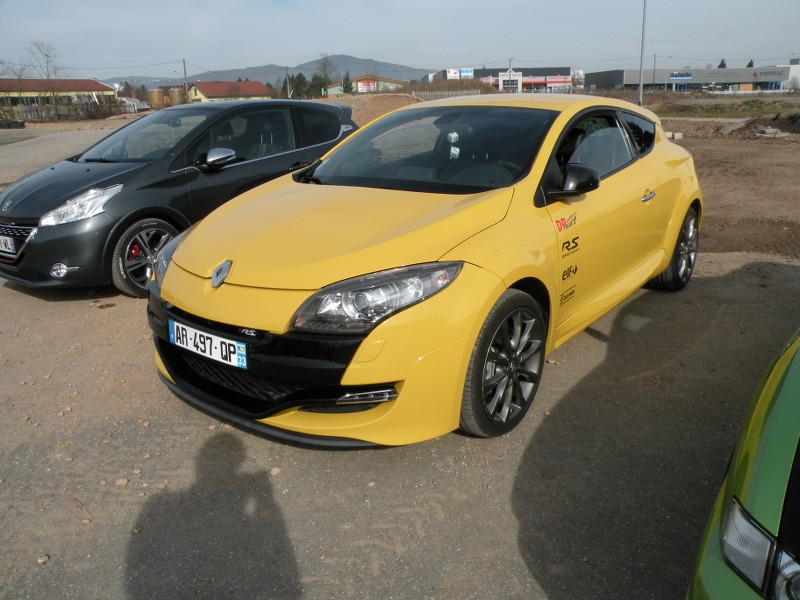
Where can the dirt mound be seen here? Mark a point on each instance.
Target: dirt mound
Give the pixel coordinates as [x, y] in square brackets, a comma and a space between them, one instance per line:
[737, 128]
[367, 107]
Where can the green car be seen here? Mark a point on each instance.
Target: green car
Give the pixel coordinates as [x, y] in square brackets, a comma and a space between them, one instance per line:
[751, 546]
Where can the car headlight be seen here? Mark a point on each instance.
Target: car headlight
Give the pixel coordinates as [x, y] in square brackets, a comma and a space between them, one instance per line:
[164, 257]
[356, 305]
[756, 556]
[747, 547]
[84, 206]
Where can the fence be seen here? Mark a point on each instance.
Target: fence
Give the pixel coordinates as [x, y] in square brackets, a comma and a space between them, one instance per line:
[66, 108]
[439, 95]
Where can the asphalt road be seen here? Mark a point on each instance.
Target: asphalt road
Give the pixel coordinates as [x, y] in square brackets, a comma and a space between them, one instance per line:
[111, 487]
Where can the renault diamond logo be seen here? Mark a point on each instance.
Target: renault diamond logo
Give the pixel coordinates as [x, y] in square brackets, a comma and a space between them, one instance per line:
[221, 273]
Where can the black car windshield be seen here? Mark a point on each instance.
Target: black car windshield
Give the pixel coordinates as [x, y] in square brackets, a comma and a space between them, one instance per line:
[450, 150]
[149, 138]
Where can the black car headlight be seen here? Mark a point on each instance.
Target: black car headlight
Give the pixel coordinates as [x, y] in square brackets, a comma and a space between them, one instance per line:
[756, 556]
[356, 305]
[88, 204]
[163, 259]
[787, 577]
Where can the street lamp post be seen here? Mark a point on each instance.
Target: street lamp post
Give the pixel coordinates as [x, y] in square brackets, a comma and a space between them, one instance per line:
[641, 55]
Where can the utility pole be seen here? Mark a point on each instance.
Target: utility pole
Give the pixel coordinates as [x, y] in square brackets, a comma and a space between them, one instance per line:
[185, 83]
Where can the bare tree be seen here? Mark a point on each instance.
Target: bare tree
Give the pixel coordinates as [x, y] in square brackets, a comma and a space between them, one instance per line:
[13, 71]
[42, 64]
[326, 68]
[42, 57]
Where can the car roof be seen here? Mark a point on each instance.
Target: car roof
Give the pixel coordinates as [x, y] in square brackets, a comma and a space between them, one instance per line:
[234, 104]
[569, 103]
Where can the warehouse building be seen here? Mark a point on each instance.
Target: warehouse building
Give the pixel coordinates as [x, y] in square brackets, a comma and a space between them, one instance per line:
[747, 79]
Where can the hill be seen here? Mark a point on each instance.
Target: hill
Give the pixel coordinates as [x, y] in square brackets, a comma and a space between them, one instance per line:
[272, 74]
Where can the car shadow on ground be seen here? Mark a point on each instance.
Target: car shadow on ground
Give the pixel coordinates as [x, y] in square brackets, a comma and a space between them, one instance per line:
[618, 481]
[224, 537]
[64, 294]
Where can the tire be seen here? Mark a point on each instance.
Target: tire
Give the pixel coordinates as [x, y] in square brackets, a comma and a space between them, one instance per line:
[505, 367]
[135, 255]
[684, 256]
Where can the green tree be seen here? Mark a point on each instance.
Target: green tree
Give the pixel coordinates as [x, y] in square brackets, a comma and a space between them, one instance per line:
[319, 86]
[722, 64]
[347, 83]
[300, 86]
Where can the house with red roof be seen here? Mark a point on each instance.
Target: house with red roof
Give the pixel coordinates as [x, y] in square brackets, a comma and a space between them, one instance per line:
[49, 98]
[216, 91]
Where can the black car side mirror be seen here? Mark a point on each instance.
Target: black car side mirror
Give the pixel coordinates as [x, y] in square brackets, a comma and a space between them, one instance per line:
[218, 158]
[578, 180]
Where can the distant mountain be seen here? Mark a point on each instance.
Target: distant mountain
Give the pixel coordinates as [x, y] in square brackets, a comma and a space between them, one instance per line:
[273, 74]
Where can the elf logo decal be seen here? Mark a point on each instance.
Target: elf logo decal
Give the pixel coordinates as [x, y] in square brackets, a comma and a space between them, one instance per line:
[570, 246]
[572, 270]
[562, 223]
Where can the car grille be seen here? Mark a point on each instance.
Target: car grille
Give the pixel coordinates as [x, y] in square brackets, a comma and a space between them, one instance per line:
[240, 381]
[20, 234]
[252, 394]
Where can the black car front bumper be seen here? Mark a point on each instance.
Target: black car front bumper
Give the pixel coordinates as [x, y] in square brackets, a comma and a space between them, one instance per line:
[80, 246]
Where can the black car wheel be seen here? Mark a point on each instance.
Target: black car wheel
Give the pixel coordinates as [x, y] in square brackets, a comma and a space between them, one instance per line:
[135, 255]
[505, 366]
[684, 256]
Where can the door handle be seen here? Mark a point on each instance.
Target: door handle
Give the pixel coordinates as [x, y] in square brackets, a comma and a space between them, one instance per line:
[648, 197]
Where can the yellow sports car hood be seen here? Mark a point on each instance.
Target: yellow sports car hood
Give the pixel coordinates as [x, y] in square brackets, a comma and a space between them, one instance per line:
[288, 235]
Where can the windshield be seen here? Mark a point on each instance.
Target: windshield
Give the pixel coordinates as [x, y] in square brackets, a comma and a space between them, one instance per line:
[439, 149]
[147, 139]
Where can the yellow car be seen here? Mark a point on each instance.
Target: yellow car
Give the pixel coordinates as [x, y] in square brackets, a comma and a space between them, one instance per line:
[412, 281]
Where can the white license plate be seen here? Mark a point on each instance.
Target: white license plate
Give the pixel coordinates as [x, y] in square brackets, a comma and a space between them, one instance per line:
[7, 245]
[209, 345]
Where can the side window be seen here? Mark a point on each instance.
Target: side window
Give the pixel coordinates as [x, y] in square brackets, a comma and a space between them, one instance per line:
[643, 132]
[597, 142]
[316, 126]
[254, 134]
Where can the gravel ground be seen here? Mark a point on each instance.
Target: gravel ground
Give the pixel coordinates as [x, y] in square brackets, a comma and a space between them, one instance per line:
[110, 487]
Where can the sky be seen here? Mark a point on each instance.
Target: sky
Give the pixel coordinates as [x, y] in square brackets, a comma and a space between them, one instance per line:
[112, 38]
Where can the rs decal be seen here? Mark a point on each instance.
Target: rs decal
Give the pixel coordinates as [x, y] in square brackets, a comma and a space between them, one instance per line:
[570, 246]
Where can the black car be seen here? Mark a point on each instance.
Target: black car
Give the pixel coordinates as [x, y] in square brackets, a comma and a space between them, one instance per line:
[102, 216]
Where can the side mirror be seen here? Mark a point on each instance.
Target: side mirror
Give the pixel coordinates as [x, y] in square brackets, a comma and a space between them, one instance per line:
[218, 158]
[578, 180]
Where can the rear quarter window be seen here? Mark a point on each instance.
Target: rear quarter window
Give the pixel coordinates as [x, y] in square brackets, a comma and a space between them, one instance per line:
[317, 126]
[642, 131]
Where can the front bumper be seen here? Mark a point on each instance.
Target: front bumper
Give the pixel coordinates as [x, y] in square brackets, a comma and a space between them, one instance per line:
[402, 383]
[79, 245]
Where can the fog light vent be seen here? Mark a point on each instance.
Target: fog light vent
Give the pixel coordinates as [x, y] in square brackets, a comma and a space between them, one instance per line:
[369, 397]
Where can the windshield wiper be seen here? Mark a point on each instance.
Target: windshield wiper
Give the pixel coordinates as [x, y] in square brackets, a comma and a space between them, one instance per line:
[99, 160]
